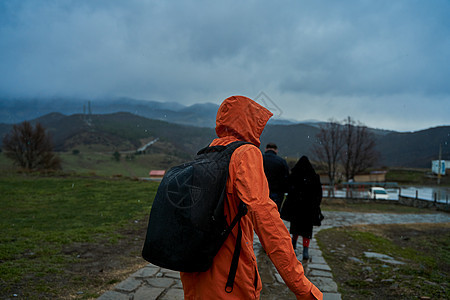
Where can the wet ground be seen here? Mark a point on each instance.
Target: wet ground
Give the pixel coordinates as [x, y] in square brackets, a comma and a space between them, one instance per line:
[152, 282]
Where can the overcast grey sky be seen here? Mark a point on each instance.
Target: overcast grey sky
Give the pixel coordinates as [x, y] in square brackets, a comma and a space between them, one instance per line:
[384, 63]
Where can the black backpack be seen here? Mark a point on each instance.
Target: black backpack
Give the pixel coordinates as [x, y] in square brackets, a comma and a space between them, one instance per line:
[187, 225]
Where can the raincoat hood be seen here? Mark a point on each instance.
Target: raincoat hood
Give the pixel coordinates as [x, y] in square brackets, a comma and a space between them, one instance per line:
[303, 168]
[242, 118]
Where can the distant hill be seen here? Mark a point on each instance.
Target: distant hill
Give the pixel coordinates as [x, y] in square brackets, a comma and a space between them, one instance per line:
[120, 132]
[411, 149]
[200, 115]
[18, 110]
[127, 132]
[292, 140]
[414, 149]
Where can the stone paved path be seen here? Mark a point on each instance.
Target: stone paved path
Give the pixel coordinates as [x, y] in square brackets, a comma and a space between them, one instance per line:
[152, 282]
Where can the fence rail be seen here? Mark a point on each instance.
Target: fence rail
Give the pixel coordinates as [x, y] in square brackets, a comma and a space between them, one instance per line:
[361, 196]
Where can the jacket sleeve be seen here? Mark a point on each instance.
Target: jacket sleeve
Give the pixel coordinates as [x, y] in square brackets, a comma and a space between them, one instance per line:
[286, 176]
[252, 188]
[319, 190]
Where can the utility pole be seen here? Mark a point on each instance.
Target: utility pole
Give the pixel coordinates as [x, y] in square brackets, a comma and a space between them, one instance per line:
[439, 166]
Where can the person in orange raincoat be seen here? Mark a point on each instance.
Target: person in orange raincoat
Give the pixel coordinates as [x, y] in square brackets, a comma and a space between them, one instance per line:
[240, 118]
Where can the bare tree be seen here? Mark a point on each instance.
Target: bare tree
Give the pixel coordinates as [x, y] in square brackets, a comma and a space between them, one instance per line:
[328, 148]
[30, 148]
[347, 156]
[358, 152]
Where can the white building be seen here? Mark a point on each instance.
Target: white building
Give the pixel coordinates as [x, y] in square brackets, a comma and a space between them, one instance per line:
[442, 169]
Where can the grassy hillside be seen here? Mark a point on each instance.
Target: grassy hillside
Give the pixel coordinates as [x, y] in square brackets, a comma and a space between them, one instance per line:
[103, 163]
[51, 227]
[186, 139]
[126, 132]
[90, 161]
[120, 131]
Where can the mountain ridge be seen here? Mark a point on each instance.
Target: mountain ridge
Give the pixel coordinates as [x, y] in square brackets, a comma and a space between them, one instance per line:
[200, 114]
[124, 131]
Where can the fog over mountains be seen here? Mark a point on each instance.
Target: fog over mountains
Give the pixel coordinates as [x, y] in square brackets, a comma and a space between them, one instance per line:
[18, 110]
[125, 122]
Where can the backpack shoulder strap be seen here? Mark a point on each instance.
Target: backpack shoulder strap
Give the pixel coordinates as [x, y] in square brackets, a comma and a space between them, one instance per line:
[227, 151]
[220, 148]
[242, 211]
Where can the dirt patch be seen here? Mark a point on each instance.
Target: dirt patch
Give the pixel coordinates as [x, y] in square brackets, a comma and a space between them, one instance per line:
[100, 266]
[421, 255]
[96, 268]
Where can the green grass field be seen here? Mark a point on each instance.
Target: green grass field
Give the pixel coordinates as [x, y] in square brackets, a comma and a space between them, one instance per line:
[90, 162]
[40, 215]
[103, 163]
[423, 249]
[93, 202]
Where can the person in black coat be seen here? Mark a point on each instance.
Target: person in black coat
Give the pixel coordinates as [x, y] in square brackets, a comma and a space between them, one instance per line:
[302, 206]
[277, 172]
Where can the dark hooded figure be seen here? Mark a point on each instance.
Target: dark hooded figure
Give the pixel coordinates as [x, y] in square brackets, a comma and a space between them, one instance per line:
[303, 202]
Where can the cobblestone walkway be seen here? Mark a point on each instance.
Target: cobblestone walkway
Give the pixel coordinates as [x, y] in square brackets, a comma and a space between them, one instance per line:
[152, 282]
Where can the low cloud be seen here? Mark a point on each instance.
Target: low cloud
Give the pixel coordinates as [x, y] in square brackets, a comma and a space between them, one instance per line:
[321, 59]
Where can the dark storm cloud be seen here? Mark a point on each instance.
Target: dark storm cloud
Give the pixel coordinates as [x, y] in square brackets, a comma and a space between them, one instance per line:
[316, 59]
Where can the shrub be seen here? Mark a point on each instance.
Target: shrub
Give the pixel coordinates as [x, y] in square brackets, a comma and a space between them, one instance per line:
[30, 148]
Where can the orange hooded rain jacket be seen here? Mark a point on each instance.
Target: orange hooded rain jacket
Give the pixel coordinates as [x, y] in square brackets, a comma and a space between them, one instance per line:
[240, 118]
